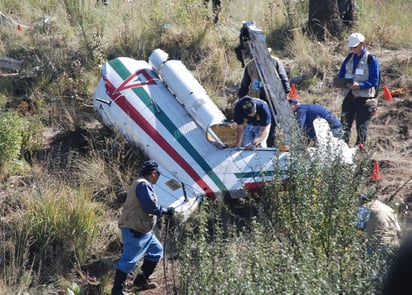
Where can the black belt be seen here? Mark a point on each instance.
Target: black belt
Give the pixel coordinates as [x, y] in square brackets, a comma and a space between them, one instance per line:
[136, 233]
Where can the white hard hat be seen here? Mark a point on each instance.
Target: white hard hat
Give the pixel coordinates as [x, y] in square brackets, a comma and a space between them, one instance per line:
[354, 39]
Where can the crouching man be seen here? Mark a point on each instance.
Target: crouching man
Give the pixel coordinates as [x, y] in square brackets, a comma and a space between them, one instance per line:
[253, 119]
[380, 224]
[139, 217]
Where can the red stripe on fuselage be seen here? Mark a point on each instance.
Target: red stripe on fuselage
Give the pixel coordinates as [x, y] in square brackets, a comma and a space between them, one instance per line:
[141, 121]
[128, 83]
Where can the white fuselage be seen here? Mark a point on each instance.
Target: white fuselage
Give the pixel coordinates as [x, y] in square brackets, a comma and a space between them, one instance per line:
[172, 122]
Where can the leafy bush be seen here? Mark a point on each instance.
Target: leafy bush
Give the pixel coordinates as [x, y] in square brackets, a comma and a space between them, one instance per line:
[11, 137]
[300, 241]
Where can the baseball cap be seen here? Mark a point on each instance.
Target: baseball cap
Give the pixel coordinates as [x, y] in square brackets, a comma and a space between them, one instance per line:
[148, 167]
[248, 105]
[354, 39]
[292, 101]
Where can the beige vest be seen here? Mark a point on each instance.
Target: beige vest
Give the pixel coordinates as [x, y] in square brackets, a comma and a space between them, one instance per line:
[383, 228]
[133, 216]
[360, 74]
[256, 83]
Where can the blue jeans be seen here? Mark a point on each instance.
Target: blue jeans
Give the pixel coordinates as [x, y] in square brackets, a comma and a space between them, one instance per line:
[337, 132]
[134, 248]
[250, 133]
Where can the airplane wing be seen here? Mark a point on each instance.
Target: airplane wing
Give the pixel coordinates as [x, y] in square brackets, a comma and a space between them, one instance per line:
[254, 40]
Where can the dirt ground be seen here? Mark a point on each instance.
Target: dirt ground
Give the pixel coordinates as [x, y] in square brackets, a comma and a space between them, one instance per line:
[391, 132]
[390, 137]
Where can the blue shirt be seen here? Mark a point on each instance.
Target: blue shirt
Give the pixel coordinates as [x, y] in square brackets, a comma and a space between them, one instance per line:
[148, 199]
[262, 117]
[306, 113]
[373, 78]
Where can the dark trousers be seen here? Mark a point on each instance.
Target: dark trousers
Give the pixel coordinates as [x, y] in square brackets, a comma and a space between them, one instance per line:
[355, 108]
[216, 5]
[216, 9]
[270, 142]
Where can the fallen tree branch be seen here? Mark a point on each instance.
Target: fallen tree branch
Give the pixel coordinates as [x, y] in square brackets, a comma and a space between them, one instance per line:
[397, 191]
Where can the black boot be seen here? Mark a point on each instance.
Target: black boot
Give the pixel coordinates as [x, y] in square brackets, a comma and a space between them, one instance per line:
[142, 282]
[148, 268]
[119, 279]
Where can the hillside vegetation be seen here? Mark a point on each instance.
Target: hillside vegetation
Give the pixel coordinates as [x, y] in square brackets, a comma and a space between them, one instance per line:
[63, 173]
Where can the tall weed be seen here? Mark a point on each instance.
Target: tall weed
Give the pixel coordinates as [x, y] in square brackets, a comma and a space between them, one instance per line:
[62, 224]
[384, 23]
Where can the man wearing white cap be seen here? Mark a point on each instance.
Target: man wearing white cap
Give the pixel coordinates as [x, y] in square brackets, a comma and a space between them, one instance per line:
[361, 70]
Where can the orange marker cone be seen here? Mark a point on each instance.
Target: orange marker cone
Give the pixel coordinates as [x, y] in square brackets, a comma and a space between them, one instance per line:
[376, 174]
[387, 94]
[292, 93]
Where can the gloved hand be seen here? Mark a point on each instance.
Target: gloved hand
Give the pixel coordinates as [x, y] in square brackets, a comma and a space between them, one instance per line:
[170, 211]
[373, 102]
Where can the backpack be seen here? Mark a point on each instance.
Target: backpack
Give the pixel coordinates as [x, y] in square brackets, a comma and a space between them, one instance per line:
[369, 62]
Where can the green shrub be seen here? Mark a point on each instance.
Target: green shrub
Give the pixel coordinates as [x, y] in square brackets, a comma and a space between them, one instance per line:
[11, 137]
[300, 241]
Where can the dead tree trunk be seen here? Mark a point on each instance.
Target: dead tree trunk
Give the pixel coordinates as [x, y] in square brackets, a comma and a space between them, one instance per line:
[330, 17]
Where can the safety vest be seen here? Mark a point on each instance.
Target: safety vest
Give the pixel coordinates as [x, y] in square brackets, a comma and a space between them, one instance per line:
[360, 74]
[133, 216]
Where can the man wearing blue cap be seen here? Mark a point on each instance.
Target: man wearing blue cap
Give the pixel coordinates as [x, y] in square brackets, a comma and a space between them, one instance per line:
[252, 85]
[307, 113]
[253, 119]
[139, 217]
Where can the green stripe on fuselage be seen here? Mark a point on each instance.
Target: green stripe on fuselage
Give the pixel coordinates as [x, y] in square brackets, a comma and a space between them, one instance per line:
[253, 174]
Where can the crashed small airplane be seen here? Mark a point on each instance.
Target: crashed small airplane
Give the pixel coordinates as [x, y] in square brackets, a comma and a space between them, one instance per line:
[162, 108]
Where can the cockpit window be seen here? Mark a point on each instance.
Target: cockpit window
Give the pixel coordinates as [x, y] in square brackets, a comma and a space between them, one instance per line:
[221, 135]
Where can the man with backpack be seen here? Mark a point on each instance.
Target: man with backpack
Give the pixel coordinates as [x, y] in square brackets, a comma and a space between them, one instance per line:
[361, 71]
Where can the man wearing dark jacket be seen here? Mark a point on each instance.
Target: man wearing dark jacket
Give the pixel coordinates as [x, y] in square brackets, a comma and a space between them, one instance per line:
[253, 118]
[139, 217]
[307, 113]
[252, 85]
